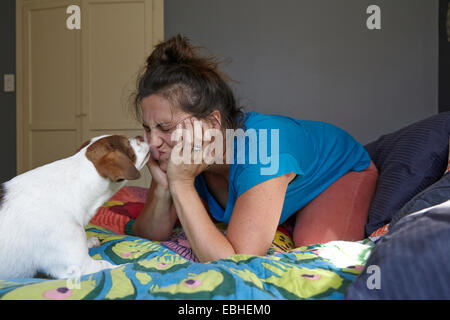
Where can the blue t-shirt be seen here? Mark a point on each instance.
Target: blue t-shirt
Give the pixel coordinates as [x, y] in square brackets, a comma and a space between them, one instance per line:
[318, 153]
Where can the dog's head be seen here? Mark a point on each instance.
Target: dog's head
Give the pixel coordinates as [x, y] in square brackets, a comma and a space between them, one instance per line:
[117, 158]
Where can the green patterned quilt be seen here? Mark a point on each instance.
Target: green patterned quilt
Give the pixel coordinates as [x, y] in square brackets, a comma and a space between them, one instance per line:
[150, 270]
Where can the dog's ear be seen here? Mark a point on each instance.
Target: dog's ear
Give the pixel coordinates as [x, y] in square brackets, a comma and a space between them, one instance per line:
[83, 145]
[117, 166]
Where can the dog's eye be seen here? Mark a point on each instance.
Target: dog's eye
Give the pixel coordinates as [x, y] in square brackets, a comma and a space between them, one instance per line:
[120, 180]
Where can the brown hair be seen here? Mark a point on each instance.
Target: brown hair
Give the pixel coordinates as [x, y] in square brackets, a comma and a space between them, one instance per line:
[176, 71]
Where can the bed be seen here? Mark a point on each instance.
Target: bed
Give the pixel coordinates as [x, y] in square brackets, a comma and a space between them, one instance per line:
[169, 270]
[335, 270]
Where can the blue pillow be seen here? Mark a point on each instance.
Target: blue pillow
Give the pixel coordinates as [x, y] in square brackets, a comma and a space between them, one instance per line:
[410, 262]
[408, 161]
[437, 193]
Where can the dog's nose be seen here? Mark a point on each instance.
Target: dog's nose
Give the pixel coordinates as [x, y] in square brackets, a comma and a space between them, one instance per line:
[139, 138]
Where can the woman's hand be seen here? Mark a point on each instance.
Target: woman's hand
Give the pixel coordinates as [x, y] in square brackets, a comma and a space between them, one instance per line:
[158, 175]
[188, 153]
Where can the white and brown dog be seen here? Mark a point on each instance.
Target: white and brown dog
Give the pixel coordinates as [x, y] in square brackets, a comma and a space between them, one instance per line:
[43, 212]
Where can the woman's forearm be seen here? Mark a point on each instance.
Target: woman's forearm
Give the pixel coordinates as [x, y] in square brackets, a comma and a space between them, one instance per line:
[207, 242]
[157, 218]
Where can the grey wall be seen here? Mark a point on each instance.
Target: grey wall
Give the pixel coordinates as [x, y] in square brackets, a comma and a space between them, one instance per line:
[316, 59]
[7, 99]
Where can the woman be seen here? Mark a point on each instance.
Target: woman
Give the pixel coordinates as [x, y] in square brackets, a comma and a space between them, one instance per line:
[178, 89]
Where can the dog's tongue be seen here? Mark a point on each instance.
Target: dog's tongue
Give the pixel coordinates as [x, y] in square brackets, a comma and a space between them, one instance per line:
[154, 153]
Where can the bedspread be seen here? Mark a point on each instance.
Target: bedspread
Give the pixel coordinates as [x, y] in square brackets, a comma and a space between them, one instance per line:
[150, 270]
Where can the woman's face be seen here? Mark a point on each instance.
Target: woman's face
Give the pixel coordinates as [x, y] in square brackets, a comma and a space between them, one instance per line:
[160, 119]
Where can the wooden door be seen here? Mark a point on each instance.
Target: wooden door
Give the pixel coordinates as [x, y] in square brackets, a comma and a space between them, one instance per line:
[49, 91]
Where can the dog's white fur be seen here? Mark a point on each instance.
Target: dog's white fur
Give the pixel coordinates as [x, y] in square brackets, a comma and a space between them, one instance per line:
[45, 210]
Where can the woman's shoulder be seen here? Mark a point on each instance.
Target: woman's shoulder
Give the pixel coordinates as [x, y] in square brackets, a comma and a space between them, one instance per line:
[286, 124]
[295, 128]
[257, 120]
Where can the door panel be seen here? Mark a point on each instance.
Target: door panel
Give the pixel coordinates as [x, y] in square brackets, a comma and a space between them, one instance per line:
[51, 86]
[114, 40]
[48, 146]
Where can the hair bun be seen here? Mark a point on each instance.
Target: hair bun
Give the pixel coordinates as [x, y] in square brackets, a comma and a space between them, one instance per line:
[176, 50]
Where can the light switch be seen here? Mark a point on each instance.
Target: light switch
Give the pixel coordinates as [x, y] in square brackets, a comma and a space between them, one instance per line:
[8, 83]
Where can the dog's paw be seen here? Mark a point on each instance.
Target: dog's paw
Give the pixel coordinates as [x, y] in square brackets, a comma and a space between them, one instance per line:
[93, 242]
[98, 265]
[107, 265]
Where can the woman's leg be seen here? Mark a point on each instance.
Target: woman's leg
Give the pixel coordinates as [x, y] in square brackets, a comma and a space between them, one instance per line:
[338, 213]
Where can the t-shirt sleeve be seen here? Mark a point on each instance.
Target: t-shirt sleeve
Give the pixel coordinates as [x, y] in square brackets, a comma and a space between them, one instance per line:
[253, 174]
[200, 187]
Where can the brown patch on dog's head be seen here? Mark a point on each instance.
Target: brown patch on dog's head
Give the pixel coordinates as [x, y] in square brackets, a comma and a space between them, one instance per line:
[114, 158]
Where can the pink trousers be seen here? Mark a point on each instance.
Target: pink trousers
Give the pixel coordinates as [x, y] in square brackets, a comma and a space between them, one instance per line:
[338, 213]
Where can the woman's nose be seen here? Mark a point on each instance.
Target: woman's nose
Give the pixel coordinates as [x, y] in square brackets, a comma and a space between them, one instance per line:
[153, 139]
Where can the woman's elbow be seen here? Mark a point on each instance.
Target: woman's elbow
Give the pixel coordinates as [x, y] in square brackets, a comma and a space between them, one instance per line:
[251, 250]
[148, 234]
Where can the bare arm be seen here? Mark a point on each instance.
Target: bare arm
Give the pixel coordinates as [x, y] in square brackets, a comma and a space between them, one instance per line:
[158, 216]
[207, 242]
[256, 214]
[252, 226]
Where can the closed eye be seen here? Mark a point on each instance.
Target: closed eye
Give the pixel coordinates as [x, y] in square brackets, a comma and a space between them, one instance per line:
[164, 129]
